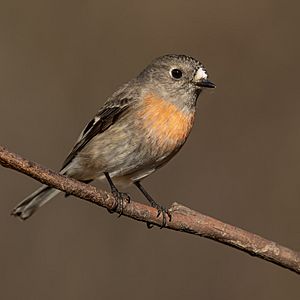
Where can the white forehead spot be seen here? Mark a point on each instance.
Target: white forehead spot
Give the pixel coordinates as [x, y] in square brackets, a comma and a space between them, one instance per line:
[201, 74]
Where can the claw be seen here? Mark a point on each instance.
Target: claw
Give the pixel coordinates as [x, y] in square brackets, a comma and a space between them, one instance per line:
[164, 212]
[149, 225]
[120, 198]
[160, 209]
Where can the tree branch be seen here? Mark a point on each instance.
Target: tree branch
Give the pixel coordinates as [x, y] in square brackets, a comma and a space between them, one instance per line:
[183, 218]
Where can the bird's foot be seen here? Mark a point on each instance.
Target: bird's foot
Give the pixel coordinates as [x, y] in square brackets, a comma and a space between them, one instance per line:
[120, 199]
[161, 210]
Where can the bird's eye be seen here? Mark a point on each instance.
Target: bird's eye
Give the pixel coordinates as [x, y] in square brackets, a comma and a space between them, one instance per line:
[176, 73]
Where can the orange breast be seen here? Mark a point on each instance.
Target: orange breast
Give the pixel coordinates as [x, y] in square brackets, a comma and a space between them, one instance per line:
[164, 122]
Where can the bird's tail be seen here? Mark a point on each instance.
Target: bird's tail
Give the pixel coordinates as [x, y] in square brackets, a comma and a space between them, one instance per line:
[37, 199]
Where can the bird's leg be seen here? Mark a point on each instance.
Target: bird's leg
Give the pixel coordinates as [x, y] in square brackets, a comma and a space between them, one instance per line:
[160, 209]
[119, 196]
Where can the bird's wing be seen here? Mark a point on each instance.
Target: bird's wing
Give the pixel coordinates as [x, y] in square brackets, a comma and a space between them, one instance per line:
[106, 117]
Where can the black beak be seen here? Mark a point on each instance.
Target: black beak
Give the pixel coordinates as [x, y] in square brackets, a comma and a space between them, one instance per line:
[207, 84]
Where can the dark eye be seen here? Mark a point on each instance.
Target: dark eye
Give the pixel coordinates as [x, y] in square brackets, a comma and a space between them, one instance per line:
[176, 73]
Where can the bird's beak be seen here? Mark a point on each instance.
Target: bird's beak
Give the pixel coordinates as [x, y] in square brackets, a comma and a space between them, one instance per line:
[206, 84]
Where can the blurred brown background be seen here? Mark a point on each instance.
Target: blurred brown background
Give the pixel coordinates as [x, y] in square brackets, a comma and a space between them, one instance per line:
[59, 60]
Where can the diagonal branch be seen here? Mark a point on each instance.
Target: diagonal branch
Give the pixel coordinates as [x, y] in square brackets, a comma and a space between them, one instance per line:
[183, 218]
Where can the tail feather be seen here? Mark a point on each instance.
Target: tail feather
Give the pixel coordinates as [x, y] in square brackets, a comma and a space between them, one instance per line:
[31, 203]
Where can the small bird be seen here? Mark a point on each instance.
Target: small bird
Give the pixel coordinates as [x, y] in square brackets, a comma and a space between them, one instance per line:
[138, 130]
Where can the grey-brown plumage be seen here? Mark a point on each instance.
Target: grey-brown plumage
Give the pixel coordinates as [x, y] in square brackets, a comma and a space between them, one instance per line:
[139, 128]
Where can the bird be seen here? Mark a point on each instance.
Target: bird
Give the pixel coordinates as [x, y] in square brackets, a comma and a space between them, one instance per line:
[139, 129]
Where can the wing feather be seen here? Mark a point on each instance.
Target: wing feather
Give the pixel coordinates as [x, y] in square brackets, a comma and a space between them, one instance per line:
[106, 117]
